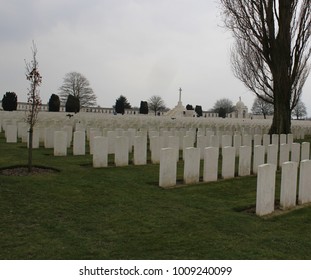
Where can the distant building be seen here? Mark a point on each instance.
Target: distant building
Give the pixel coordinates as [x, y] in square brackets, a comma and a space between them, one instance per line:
[24, 106]
[240, 111]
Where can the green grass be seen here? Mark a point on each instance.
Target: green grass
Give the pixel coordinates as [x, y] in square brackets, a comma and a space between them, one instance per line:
[121, 213]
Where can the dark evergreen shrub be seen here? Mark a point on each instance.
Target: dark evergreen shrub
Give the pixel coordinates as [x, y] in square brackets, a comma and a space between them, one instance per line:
[189, 107]
[143, 108]
[72, 104]
[119, 107]
[9, 101]
[198, 110]
[54, 103]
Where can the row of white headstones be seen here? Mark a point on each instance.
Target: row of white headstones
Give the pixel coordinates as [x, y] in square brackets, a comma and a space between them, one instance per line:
[165, 146]
[265, 198]
[60, 140]
[245, 126]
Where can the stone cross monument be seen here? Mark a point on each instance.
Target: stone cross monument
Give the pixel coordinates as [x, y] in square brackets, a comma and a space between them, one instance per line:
[180, 94]
[179, 109]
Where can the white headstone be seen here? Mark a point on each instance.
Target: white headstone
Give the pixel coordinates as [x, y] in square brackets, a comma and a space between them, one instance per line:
[290, 140]
[49, 137]
[94, 132]
[295, 154]
[275, 139]
[226, 141]
[140, 150]
[272, 154]
[11, 133]
[266, 141]
[265, 195]
[132, 133]
[35, 139]
[259, 158]
[41, 133]
[284, 154]
[215, 141]
[111, 141]
[209, 132]
[237, 142]
[165, 134]
[153, 133]
[208, 135]
[283, 139]
[210, 169]
[192, 134]
[247, 140]
[180, 135]
[305, 151]
[228, 162]
[22, 129]
[60, 143]
[155, 148]
[79, 127]
[202, 144]
[245, 159]
[100, 151]
[68, 129]
[131, 141]
[121, 153]
[79, 143]
[201, 132]
[24, 132]
[288, 185]
[257, 140]
[192, 165]
[163, 142]
[173, 142]
[304, 190]
[187, 143]
[168, 168]
[119, 131]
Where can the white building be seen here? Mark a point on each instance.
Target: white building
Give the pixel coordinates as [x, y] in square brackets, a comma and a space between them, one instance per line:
[240, 112]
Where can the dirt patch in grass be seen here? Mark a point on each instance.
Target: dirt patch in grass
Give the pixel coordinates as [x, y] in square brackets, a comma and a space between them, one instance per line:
[23, 170]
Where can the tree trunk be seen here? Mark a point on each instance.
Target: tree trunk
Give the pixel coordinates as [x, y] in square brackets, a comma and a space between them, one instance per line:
[30, 149]
[280, 68]
[281, 123]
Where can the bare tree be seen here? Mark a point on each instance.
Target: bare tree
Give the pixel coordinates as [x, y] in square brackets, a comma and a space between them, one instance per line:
[77, 85]
[262, 107]
[272, 49]
[300, 111]
[223, 107]
[34, 100]
[156, 104]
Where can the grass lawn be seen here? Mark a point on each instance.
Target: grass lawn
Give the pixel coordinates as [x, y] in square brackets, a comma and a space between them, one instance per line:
[121, 213]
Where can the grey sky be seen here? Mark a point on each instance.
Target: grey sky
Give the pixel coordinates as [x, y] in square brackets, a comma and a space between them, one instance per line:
[137, 48]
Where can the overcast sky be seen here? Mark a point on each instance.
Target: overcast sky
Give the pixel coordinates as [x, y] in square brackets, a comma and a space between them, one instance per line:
[137, 48]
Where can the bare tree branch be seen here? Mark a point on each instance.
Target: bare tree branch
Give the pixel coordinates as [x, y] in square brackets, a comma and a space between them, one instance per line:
[34, 100]
[272, 50]
[77, 85]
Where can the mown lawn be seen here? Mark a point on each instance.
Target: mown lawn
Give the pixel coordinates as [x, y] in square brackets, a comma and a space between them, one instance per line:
[121, 213]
